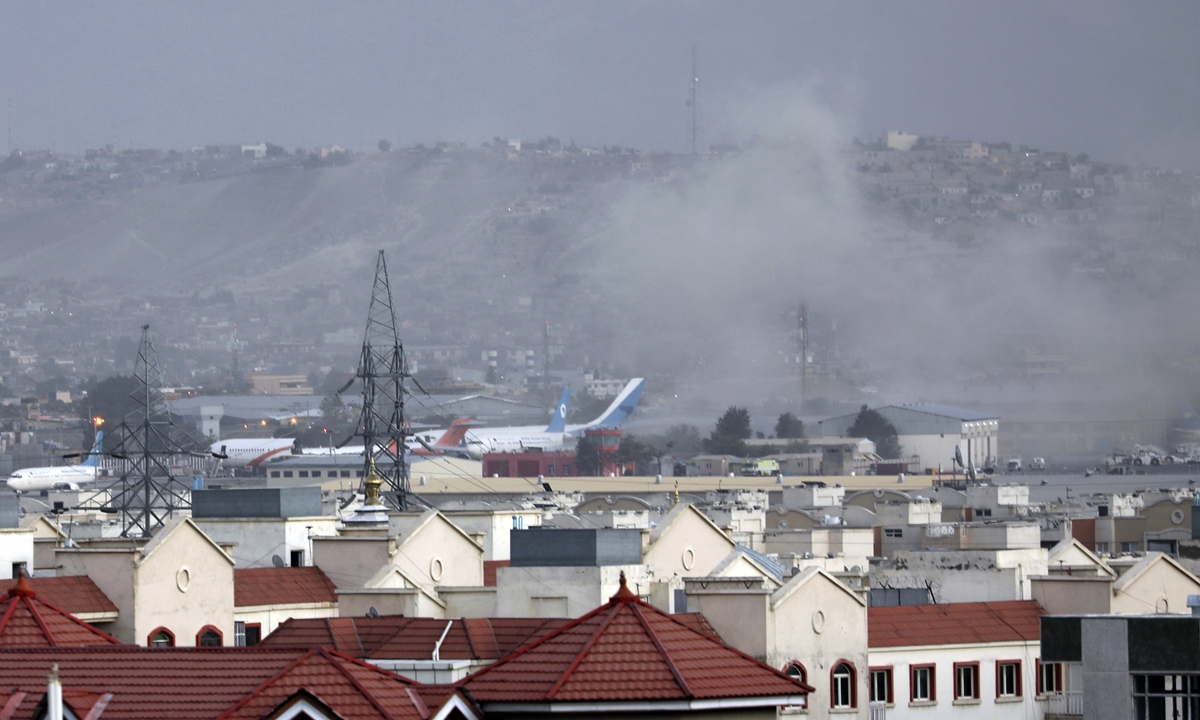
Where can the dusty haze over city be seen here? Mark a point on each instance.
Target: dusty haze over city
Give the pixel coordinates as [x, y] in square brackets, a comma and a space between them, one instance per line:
[645, 259]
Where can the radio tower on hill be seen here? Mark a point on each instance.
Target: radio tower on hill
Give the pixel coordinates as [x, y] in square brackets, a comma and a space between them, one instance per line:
[382, 370]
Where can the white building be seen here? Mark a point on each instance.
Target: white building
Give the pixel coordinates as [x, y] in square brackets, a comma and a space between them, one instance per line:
[935, 433]
[978, 660]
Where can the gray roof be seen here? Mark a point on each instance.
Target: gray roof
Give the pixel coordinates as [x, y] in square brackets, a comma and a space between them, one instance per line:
[950, 412]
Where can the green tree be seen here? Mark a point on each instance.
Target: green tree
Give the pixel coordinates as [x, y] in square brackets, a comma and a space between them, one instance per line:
[729, 436]
[789, 427]
[871, 425]
[641, 454]
[587, 457]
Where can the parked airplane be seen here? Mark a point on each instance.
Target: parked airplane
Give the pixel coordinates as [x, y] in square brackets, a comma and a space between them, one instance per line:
[61, 477]
[420, 444]
[250, 452]
[558, 435]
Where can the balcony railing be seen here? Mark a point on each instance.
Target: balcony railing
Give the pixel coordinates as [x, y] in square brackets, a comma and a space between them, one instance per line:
[1069, 702]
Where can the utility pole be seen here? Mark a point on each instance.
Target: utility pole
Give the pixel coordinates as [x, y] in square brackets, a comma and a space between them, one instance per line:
[693, 101]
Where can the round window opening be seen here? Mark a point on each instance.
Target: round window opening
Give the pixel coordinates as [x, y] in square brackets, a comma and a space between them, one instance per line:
[435, 569]
[183, 579]
[689, 559]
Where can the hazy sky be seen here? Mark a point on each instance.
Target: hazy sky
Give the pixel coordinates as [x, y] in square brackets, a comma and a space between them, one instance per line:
[1118, 80]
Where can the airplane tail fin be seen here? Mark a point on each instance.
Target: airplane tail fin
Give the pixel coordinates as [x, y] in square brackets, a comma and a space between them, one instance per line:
[454, 435]
[93, 458]
[559, 422]
[622, 407]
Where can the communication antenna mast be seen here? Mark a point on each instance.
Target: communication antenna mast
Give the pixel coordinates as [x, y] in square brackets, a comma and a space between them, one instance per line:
[802, 341]
[382, 370]
[153, 448]
[546, 357]
[693, 102]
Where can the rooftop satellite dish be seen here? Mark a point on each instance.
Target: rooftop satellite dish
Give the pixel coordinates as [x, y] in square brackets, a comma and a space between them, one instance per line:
[372, 613]
[278, 561]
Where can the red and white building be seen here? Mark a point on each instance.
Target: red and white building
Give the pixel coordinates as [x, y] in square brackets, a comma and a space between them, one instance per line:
[977, 660]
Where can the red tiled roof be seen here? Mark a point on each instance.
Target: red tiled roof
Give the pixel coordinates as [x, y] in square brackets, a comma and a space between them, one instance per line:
[74, 594]
[699, 623]
[626, 651]
[28, 621]
[395, 637]
[282, 586]
[954, 624]
[207, 683]
[489, 571]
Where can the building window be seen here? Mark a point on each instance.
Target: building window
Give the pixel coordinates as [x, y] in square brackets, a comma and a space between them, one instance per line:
[274, 473]
[922, 684]
[881, 685]
[253, 634]
[1049, 678]
[966, 681]
[287, 473]
[303, 473]
[345, 473]
[842, 686]
[893, 532]
[550, 470]
[209, 637]
[518, 522]
[1102, 548]
[316, 473]
[161, 637]
[796, 670]
[1131, 547]
[358, 473]
[239, 633]
[1165, 696]
[1008, 679]
[297, 558]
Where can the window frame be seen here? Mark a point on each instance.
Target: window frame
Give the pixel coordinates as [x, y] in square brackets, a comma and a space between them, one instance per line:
[210, 628]
[912, 683]
[852, 682]
[802, 677]
[890, 693]
[1040, 678]
[150, 637]
[1018, 681]
[253, 626]
[973, 667]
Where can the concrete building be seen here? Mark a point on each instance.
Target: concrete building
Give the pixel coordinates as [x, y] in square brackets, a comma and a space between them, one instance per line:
[1125, 667]
[933, 432]
[175, 589]
[264, 527]
[812, 627]
[957, 660]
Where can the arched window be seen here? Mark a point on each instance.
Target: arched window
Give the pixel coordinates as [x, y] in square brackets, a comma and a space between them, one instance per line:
[209, 636]
[161, 637]
[843, 686]
[796, 670]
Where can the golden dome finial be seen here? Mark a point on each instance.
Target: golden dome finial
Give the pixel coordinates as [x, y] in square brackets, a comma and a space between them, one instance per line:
[372, 483]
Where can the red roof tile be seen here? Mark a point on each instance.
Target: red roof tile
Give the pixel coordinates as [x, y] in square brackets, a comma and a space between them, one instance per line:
[624, 651]
[28, 621]
[954, 624]
[74, 594]
[489, 571]
[207, 683]
[282, 586]
[395, 637]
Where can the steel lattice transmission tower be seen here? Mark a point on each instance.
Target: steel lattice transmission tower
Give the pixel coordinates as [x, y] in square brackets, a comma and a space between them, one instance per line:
[153, 449]
[382, 370]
